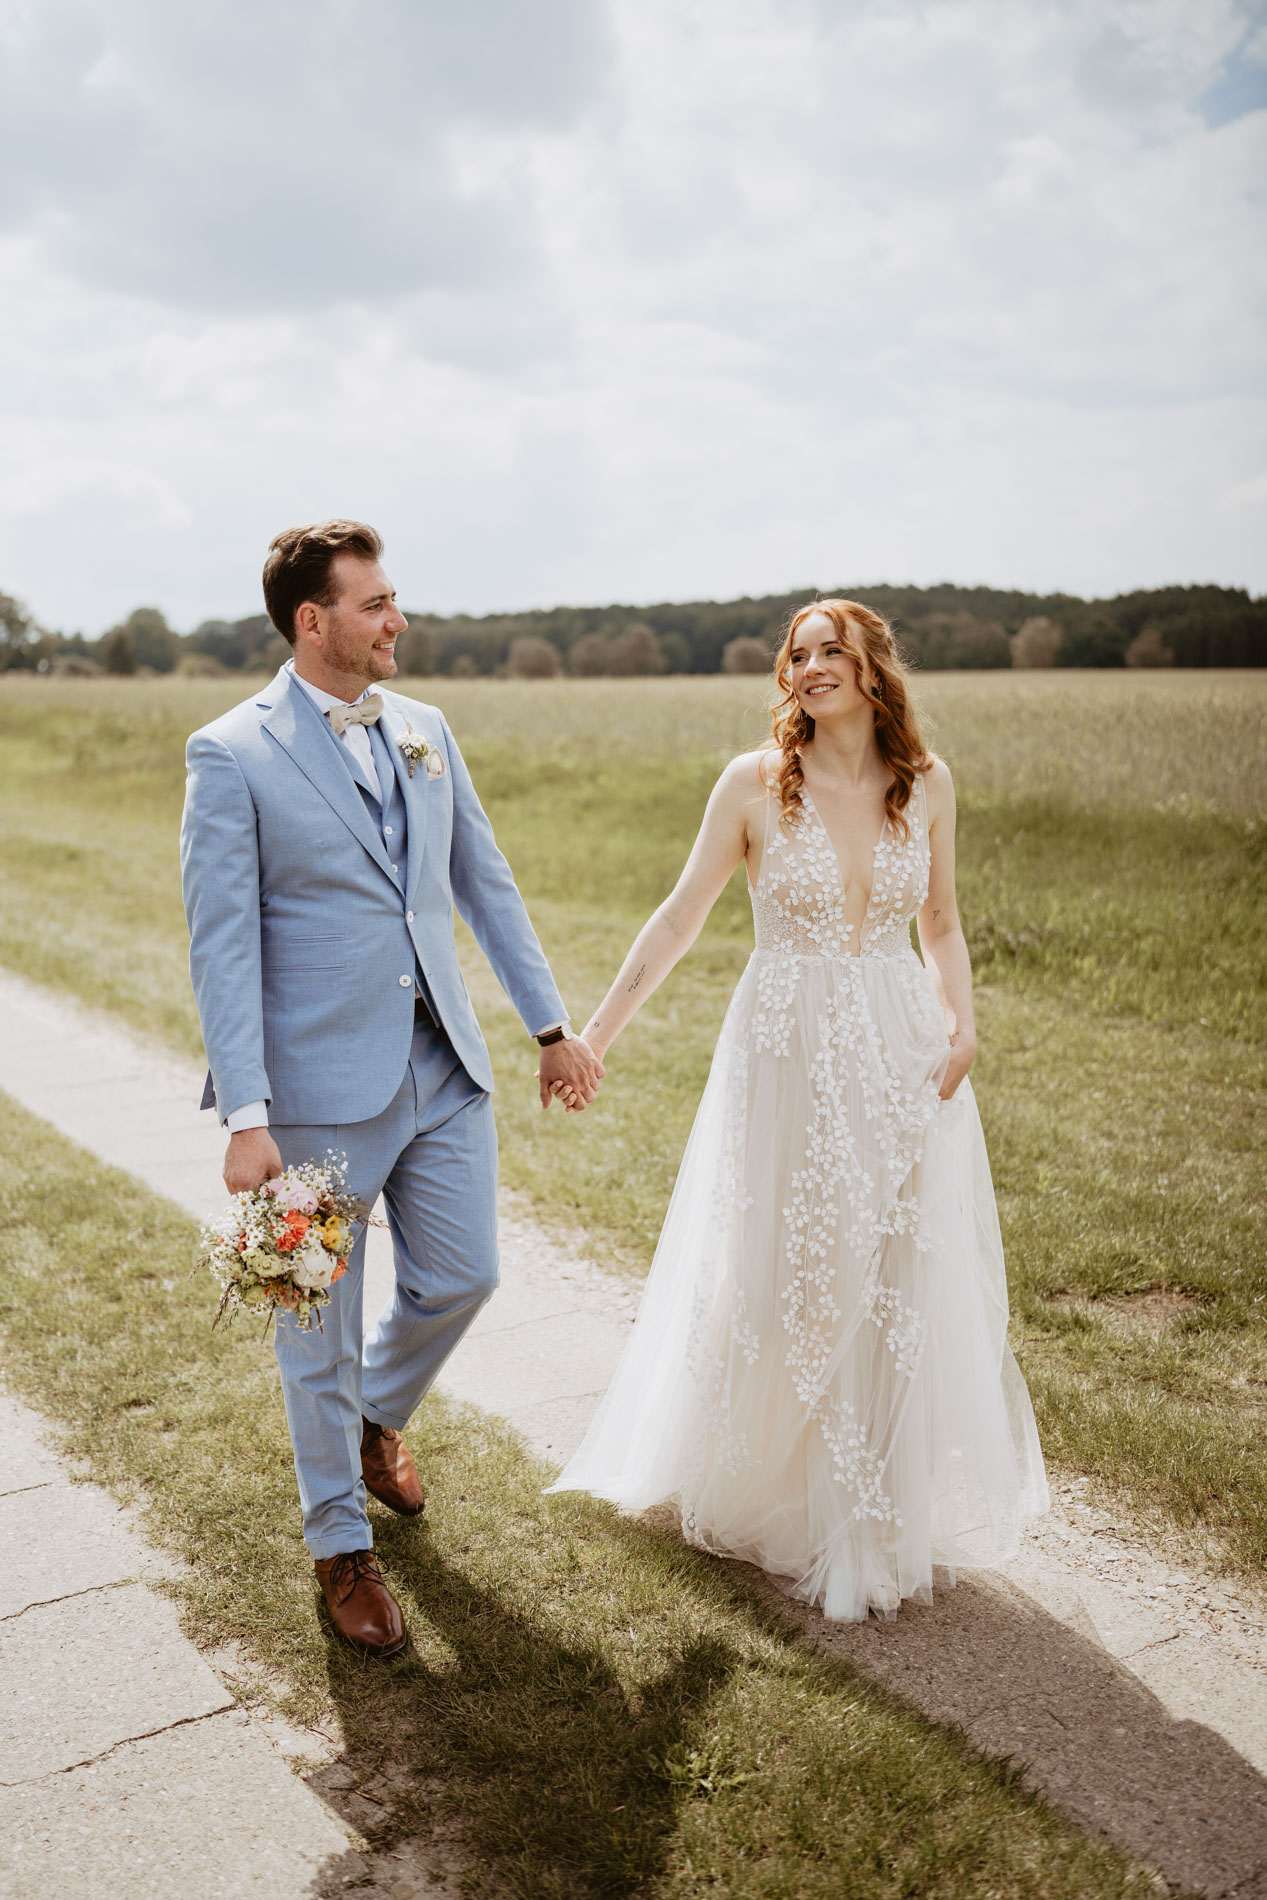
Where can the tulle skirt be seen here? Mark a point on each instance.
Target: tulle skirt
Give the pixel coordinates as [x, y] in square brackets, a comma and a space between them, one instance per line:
[819, 1374]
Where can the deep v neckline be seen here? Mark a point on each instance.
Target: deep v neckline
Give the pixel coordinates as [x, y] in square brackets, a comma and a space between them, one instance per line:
[808, 801]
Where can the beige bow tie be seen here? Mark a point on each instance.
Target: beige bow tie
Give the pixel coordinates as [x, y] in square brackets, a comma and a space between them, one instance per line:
[366, 712]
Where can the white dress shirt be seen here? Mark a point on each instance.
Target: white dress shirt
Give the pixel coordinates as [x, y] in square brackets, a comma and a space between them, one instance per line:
[355, 738]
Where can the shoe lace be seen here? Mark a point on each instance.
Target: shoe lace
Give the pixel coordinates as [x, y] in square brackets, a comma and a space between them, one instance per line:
[352, 1567]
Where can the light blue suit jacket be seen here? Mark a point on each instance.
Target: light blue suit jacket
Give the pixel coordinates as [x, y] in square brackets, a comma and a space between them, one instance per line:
[303, 945]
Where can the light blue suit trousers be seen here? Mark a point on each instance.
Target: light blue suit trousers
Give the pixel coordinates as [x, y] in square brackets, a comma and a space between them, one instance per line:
[432, 1155]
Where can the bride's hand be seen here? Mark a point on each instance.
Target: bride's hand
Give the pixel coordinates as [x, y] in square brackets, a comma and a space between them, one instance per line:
[570, 1073]
[963, 1047]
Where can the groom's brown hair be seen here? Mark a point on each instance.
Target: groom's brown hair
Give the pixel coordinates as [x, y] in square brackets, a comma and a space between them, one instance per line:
[299, 563]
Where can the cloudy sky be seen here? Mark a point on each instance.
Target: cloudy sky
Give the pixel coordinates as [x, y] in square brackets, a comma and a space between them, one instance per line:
[582, 300]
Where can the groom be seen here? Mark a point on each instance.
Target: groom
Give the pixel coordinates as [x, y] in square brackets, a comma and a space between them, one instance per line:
[320, 878]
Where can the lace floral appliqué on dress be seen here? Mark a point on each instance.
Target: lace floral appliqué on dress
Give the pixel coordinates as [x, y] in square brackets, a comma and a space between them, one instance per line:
[819, 1373]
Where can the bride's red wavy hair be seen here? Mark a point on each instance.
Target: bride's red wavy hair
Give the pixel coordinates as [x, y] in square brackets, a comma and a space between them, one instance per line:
[882, 678]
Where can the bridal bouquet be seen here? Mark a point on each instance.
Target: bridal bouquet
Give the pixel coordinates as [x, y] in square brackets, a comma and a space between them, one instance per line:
[282, 1246]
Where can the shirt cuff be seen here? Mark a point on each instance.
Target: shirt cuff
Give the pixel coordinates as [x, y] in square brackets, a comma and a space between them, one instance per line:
[548, 1029]
[254, 1115]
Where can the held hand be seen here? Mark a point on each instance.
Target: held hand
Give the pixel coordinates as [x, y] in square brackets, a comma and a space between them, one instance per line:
[252, 1159]
[963, 1047]
[570, 1070]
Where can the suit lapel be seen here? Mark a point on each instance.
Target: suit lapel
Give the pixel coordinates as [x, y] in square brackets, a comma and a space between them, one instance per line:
[395, 723]
[300, 730]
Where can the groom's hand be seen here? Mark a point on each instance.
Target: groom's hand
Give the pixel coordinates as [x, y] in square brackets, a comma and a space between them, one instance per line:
[253, 1158]
[570, 1070]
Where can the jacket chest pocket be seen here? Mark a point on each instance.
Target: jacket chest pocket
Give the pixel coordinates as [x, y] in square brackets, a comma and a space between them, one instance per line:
[298, 951]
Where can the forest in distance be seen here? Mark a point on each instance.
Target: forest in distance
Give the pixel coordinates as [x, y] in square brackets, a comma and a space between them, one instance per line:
[946, 627]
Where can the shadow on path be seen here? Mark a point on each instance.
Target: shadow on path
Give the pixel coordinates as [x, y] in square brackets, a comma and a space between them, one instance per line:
[560, 1769]
[551, 1749]
[1091, 1737]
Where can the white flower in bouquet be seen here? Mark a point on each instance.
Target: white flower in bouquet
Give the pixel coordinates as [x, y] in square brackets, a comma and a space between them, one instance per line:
[312, 1267]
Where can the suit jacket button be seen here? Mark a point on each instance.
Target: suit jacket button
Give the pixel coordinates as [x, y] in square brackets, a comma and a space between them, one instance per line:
[405, 982]
[409, 916]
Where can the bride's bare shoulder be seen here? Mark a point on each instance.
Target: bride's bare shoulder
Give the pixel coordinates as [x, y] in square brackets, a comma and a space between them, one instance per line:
[749, 775]
[939, 787]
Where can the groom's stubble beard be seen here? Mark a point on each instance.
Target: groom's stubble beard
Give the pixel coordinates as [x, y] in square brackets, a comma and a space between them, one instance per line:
[349, 649]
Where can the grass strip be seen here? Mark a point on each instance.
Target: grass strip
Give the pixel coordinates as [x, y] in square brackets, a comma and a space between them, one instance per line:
[605, 1711]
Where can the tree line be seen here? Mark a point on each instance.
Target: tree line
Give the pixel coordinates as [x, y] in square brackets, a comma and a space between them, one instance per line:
[938, 627]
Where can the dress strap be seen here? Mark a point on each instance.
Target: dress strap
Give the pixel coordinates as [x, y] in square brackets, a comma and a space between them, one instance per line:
[923, 806]
[765, 761]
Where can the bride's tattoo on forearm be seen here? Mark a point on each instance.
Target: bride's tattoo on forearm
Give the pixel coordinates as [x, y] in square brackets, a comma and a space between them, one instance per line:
[642, 971]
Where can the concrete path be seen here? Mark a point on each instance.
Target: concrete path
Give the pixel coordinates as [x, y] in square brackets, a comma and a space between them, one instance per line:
[1135, 1693]
[125, 1767]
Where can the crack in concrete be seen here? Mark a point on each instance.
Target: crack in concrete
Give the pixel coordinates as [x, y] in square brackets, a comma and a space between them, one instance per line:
[538, 1319]
[89, 1590]
[1154, 1642]
[20, 1490]
[124, 1741]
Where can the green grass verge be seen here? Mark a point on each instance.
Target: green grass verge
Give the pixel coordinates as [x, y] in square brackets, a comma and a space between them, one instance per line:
[606, 1711]
[1112, 886]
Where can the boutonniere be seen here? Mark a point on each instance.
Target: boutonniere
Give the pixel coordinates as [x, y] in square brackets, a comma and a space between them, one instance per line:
[415, 748]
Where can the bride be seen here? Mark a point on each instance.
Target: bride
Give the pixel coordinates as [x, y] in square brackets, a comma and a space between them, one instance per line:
[819, 1375]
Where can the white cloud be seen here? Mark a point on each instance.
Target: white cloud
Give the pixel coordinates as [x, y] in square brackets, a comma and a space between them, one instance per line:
[636, 300]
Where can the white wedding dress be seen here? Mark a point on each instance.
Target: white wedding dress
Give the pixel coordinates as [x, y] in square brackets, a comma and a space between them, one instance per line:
[819, 1374]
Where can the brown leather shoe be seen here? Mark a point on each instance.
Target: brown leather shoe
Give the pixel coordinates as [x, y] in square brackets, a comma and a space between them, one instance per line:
[389, 1471]
[362, 1608]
